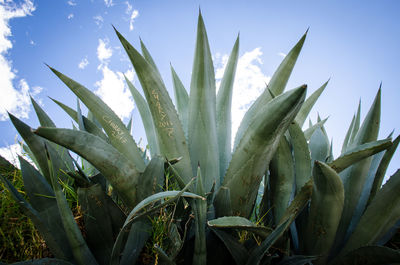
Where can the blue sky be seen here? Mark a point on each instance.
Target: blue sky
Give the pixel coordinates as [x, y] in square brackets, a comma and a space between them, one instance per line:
[355, 43]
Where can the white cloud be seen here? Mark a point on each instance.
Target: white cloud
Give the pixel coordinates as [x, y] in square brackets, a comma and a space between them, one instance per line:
[83, 63]
[128, 8]
[282, 54]
[98, 20]
[134, 15]
[31, 42]
[71, 3]
[108, 3]
[17, 100]
[114, 92]
[249, 83]
[11, 153]
[70, 16]
[103, 51]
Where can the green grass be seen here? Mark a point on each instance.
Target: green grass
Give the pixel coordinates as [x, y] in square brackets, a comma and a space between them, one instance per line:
[19, 240]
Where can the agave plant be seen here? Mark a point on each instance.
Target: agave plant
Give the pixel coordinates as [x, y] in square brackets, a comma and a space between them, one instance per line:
[226, 202]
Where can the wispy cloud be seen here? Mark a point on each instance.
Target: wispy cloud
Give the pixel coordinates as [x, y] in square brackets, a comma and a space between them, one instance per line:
[70, 16]
[71, 3]
[17, 99]
[98, 20]
[133, 13]
[249, 82]
[108, 3]
[112, 88]
[283, 55]
[83, 63]
[31, 42]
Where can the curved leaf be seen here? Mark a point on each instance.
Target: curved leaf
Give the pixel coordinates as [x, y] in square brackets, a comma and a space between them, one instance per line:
[319, 146]
[348, 134]
[237, 250]
[310, 131]
[119, 136]
[121, 172]
[256, 149]
[325, 211]
[241, 223]
[170, 135]
[370, 255]
[147, 119]
[202, 130]
[224, 105]
[275, 86]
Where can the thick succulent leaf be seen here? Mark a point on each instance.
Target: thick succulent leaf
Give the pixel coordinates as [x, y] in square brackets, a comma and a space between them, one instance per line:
[181, 100]
[370, 255]
[44, 261]
[222, 202]
[224, 106]
[310, 131]
[147, 119]
[6, 168]
[240, 223]
[119, 171]
[356, 126]
[259, 252]
[325, 211]
[319, 146]
[89, 125]
[80, 250]
[359, 153]
[275, 86]
[56, 240]
[147, 56]
[237, 250]
[119, 136]
[139, 233]
[301, 155]
[354, 178]
[97, 220]
[308, 104]
[281, 178]
[163, 257]
[381, 171]
[256, 149]
[152, 179]
[202, 130]
[170, 135]
[348, 134]
[379, 217]
[200, 218]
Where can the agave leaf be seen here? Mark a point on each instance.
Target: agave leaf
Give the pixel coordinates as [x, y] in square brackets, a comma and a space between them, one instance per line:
[44, 119]
[325, 211]
[301, 155]
[380, 172]
[164, 259]
[356, 126]
[43, 261]
[379, 217]
[310, 131]
[200, 217]
[319, 146]
[202, 130]
[224, 106]
[359, 153]
[139, 233]
[222, 202]
[55, 240]
[281, 178]
[147, 119]
[129, 125]
[181, 100]
[80, 250]
[308, 104]
[6, 168]
[98, 226]
[256, 149]
[121, 172]
[147, 56]
[152, 179]
[89, 125]
[119, 136]
[170, 135]
[259, 252]
[348, 134]
[241, 223]
[237, 250]
[28, 151]
[297, 260]
[354, 178]
[275, 86]
[370, 255]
